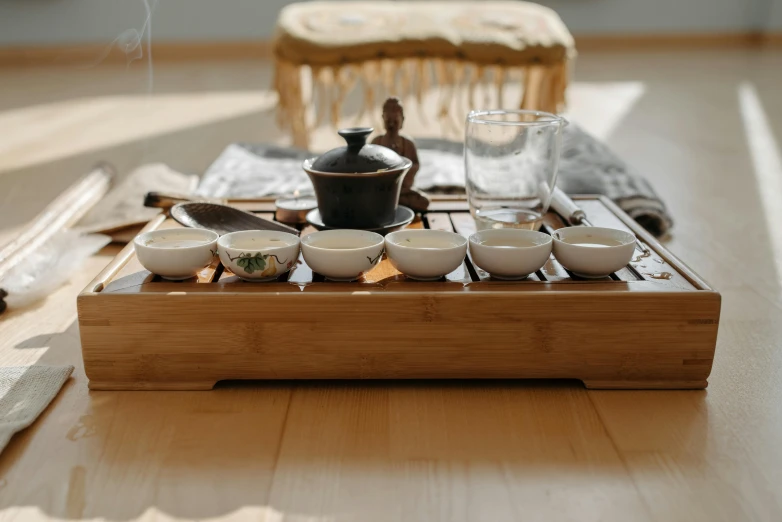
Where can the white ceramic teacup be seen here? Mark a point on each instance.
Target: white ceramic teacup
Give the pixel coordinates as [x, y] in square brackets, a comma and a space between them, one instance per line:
[258, 255]
[427, 255]
[176, 253]
[342, 255]
[510, 253]
[593, 252]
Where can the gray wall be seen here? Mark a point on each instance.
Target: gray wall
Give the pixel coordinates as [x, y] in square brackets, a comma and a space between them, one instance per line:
[48, 22]
[665, 16]
[775, 18]
[45, 22]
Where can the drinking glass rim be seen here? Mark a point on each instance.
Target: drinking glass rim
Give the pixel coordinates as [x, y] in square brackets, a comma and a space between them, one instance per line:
[477, 116]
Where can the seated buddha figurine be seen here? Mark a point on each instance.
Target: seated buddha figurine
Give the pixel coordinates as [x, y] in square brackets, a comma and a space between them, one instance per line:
[393, 119]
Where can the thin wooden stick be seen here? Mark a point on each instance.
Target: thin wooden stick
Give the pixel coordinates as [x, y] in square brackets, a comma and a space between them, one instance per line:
[97, 284]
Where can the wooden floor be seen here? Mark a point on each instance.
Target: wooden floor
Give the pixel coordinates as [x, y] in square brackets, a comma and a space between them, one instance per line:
[705, 127]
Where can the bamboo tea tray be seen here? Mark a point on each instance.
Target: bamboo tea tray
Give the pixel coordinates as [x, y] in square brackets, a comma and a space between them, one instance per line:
[651, 325]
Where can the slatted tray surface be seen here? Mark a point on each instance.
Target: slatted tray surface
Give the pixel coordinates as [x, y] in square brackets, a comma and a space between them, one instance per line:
[131, 318]
[653, 269]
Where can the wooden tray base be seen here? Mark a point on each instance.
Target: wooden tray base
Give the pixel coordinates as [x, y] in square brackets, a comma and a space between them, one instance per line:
[208, 385]
[646, 385]
[628, 331]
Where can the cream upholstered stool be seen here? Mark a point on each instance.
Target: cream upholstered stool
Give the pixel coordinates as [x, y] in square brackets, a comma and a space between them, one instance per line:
[395, 45]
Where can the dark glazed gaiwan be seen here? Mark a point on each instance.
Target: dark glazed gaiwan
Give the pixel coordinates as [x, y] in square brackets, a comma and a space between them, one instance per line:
[357, 186]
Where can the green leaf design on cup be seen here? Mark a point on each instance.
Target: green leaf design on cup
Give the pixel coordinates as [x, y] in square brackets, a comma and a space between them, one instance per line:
[251, 263]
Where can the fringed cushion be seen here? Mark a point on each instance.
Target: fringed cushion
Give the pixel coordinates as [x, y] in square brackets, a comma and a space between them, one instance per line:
[483, 33]
[404, 48]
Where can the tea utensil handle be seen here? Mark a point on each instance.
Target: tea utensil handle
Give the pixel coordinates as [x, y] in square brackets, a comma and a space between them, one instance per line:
[166, 201]
[356, 137]
[567, 208]
[163, 200]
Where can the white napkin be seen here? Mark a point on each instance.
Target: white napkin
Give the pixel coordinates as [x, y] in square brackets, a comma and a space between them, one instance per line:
[49, 267]
[25, 391]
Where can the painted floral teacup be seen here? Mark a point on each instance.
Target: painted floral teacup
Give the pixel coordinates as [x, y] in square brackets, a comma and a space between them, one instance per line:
[258, 255]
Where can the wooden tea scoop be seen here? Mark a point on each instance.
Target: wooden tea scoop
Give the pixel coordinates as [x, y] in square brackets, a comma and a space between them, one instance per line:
[575, 215]
[166, 201]
[223, 219]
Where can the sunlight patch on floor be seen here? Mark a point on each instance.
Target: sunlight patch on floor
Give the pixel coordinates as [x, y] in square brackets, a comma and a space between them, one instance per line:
[767, 163]
[48, 132]
[600, 107]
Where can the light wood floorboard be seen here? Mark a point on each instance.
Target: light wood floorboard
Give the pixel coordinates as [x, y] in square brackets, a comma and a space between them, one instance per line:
[704, 126]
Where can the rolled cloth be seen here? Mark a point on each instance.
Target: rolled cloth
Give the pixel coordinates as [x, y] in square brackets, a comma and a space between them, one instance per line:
[587, 166]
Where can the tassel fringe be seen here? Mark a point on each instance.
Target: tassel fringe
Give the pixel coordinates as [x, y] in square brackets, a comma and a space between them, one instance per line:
[543, 89]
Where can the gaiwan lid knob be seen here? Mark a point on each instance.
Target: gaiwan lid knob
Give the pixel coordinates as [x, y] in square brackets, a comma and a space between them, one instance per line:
[358, 157]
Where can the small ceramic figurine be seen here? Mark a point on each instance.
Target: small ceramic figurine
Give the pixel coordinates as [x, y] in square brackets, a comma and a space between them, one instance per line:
[393, 119]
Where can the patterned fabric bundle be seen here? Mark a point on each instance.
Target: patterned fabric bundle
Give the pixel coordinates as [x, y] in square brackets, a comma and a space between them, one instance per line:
[587, 167]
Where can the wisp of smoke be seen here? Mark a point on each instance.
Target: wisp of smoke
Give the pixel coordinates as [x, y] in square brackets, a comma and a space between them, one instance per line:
[130, 40]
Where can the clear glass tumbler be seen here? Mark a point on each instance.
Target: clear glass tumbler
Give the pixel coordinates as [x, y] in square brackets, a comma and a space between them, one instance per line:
[510, 160]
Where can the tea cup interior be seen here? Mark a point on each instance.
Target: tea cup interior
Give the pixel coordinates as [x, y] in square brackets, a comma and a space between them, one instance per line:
[509, 238]
[256, 240]
[342, 240]
[176, 238]
[426, 239]
[594, 237]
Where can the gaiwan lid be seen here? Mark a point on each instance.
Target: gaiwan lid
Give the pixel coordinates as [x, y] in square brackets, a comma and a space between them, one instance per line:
[358, 157]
